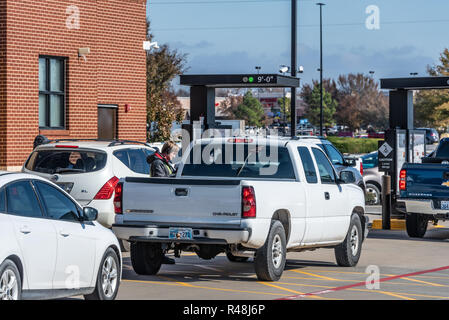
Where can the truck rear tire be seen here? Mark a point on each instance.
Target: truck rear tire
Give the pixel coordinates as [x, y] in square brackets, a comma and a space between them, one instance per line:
[416, 225]
[348, 252]
[270, 259]
[146, 258]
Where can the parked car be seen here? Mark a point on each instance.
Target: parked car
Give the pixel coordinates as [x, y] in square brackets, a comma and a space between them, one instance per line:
[372, 178]
[235, 200]
[424, 190]
[89, 170]
[51, 246]
[432, 135]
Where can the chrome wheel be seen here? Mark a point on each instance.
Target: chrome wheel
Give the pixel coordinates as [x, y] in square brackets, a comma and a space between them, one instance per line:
[277, 251]
[9, 287]
[109, 277]
[354, 240]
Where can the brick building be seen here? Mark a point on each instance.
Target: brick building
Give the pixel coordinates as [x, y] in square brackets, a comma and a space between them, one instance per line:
[70, 69]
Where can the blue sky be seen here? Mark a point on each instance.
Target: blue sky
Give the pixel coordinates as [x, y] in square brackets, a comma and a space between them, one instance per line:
[233, 36]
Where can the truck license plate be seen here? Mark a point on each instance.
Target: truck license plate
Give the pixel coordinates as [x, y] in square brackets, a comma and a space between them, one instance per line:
[180, 233]
[444, 205]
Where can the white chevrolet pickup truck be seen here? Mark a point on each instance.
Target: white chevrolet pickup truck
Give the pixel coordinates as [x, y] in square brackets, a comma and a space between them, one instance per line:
[246, 197]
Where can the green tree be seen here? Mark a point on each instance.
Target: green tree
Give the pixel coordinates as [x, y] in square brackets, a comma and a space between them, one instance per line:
[432, 106]
[313, 107]
[163, 107]
[285, 104]
[360, 102]
[250, 110]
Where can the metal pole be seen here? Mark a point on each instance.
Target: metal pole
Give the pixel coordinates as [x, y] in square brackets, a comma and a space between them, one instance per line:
[293, 69]
[321, 68]
[386, 202]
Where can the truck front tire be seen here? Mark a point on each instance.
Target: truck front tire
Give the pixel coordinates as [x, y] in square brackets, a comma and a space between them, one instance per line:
[146, 258]
[416, 225]
[270, 259]
[348, 252]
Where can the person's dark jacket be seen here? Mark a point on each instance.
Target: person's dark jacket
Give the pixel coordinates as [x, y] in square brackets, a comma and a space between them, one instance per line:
[159, 166]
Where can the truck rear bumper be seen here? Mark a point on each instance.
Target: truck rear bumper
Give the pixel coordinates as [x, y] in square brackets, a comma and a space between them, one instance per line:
[424, 207]
[154, 233]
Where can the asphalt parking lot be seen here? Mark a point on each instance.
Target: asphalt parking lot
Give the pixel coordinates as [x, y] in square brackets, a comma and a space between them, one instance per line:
[410, 269]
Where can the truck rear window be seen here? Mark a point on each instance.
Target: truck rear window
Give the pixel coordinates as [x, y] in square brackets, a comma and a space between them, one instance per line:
[66, 161]
[239, 160]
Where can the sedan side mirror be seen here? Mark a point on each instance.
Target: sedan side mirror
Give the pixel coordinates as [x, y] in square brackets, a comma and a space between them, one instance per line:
[347, 176]
[90, 214]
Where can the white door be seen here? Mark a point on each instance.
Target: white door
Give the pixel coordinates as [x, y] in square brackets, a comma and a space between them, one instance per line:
[314, 196]
[35, 234]
[334, 201]
[76, 241]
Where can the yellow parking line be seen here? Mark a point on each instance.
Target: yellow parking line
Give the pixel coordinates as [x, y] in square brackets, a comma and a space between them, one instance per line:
[178, 282]
[346, 272]
[420, 283]
[292, 291]
[425, 282]
[278, 294]
[398, 294]
[201, 287]
[315, 275]
[394, 295]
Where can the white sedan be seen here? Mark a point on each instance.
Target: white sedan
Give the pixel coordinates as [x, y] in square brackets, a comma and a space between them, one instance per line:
[51, 247]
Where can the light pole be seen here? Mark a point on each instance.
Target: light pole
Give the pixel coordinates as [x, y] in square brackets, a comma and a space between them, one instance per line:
[258, 69]
[293, 68]
[321, 67]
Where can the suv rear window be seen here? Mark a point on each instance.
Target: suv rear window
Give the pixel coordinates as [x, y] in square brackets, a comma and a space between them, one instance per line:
[66, 161]
[239, 160]
[135, 159]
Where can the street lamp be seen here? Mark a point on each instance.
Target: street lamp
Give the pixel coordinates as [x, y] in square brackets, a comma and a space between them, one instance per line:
[258, 69]
[413, 73]
[321, 67]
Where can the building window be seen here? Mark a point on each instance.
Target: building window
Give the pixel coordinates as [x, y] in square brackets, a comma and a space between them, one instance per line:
[52, 92]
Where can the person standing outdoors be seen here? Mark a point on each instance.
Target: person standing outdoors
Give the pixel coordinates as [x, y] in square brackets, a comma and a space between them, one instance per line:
[160, 167]
[160, 163]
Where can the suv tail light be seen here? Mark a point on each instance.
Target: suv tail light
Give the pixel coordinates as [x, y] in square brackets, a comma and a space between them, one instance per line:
[107, 190]
[248, 202]
[118, 198]
[361, 168]
[403, 180]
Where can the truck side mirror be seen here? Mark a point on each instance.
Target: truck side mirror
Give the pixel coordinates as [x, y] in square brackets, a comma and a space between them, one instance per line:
[347, 176]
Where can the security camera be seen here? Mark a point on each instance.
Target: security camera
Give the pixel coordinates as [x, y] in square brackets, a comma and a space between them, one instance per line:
[284, 69]
[147, 45]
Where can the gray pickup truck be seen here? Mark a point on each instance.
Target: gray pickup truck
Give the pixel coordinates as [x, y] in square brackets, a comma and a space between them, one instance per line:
[424, 189]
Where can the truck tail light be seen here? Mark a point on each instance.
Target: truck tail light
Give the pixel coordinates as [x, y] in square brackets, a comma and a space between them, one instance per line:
[248, 202]
[118, 197]
[107, 190]
[403, 180]
[361, 168]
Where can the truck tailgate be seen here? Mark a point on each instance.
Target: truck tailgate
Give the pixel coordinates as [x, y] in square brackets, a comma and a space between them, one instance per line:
[173, 202]
[426, 181]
